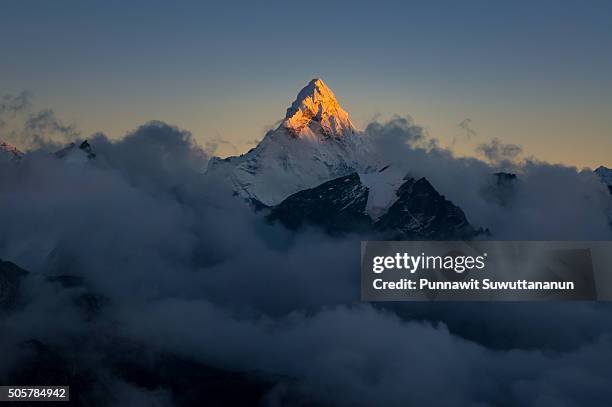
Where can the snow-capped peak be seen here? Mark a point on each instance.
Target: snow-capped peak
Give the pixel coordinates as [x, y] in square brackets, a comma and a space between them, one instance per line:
[317, 109]
[316, 142]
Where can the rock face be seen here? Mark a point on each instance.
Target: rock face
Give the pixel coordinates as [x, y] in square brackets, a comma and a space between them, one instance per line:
[76, 153]
[417, 211]
[317, 110]
[338, 206]
[605, 174]
[420, 212]
[316, 142]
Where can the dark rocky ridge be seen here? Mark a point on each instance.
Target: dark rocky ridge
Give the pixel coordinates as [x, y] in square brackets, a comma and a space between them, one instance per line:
[420, 212]
[605, 174]
[339, 206]
[83, 146]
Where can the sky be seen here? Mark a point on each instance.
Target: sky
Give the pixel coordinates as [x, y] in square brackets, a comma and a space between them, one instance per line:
[536, 74]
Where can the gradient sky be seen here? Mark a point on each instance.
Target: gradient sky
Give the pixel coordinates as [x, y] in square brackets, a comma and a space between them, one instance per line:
[534, 73]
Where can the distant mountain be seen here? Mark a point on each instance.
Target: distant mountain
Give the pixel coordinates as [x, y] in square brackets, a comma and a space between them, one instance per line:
[415, 210]
[9, 152]
[12, 276]
[76, 153]
[315, 142]
[73, 152]
[500, 188]
[605, 174]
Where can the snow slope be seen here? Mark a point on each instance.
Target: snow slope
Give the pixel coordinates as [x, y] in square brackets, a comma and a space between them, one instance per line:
[382, 186]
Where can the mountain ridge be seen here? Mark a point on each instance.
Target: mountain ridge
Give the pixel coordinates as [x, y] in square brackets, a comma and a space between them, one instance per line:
[605, 175]
[417, 211]
[9, 151]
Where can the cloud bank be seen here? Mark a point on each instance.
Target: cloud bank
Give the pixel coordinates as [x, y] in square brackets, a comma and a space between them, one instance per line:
[162, 262]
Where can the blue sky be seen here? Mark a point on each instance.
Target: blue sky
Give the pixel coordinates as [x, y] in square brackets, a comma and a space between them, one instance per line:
[532, 73]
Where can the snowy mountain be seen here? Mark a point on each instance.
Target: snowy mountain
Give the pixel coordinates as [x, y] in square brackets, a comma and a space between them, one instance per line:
[76, 154]
[72, 153]
[9, 152]
[605, 174]
[376, 202]
[314, 143]
[316, 168]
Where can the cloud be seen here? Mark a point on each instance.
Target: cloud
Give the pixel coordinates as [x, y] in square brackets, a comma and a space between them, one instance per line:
[11, 105]
[30, 129]
[393, 137]
[45, 122]
[212, 146]
[363, 356]
[498, 153]
[466, 125]
[533, 205]
[180, 266]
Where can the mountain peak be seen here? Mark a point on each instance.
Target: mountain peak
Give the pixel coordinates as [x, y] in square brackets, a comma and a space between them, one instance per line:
[316, 142]
[605, 174]
[316, 108]
[76, 153]
[9, 150]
